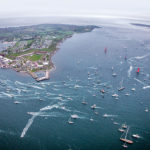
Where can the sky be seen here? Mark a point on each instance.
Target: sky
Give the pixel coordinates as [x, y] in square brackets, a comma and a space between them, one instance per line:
[30, 8]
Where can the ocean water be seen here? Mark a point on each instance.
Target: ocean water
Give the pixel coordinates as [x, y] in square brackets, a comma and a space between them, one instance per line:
[40, 120]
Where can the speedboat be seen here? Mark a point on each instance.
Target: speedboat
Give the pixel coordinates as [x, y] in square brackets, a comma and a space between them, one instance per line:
[93, 106]
[127, 94]
[17, 102]
[70, 122]
[105, 115]
[115, 95]
[74, 116]
[91, 119]
[136, 136]
[114, 74]
[146, 110]
[83, 102]
[133, 89]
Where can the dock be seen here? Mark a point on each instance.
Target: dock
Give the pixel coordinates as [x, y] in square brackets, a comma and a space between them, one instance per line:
[47, 76]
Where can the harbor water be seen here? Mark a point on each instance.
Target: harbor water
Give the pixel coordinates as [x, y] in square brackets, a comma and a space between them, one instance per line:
[40, 120]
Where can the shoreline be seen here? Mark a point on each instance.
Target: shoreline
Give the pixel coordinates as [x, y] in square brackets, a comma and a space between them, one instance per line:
[47, 71]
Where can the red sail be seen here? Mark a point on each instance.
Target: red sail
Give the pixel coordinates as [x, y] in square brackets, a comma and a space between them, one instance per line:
[138, 70]
[105, 50]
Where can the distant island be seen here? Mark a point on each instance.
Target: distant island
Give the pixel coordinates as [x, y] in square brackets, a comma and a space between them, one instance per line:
[141, 25]
[30, 48]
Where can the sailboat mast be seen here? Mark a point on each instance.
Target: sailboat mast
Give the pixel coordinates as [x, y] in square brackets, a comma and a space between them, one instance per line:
[126, 133]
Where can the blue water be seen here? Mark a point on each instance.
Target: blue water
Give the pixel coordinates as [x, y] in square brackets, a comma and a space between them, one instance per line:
[40, 121]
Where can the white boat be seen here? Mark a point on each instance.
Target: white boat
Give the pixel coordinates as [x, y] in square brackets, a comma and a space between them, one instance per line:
[127, 94]
[76, 86]
[70, 122]
[115, 95]
[74, 116]
[93, 106]
[121, 130]
[17, 102]
[146, 110]
[91, 119]
[124, 126]
[69, 98]
[105, 115]
[114, 74]
[133, 89]
[116, 123]
[125, 145]
[136, 136]
[84, 102]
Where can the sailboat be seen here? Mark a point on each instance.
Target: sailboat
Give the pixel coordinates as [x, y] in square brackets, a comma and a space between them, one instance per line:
[138, 71]
[70, 122]
[105, 50]
[125, 138]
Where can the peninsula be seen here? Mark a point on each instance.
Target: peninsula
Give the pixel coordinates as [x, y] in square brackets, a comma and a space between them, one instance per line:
[30, 48]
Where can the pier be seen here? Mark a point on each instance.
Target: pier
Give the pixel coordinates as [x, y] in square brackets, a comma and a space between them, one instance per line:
[47, 76]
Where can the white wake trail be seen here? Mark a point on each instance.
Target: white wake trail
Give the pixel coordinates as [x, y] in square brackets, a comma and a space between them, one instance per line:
[35, 114]
[141, 57]
[139, 81]
[146, 87]
[130, 70]
[30, 121]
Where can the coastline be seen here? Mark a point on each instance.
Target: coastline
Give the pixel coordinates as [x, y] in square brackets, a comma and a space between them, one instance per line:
[47, 71]
[33, 56]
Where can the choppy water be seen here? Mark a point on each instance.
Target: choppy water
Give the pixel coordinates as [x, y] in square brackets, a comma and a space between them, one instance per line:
[40, 120]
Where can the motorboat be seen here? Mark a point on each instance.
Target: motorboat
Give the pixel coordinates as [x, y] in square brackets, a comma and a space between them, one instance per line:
[17, 102]
[136, 136]
[105, 115]
[146, 110]
[114, 74]
[115, 95]
[74, 116]
[133, 89]
[93, 106]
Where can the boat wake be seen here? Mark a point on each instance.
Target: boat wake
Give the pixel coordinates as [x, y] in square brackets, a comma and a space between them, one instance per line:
[146, 87]
[29, 123]
[130, 70]
[141, 57]
[139, 81]
[35, 114]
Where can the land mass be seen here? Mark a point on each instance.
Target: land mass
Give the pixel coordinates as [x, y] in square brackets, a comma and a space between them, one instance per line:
[141, 25]
[30, 48]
